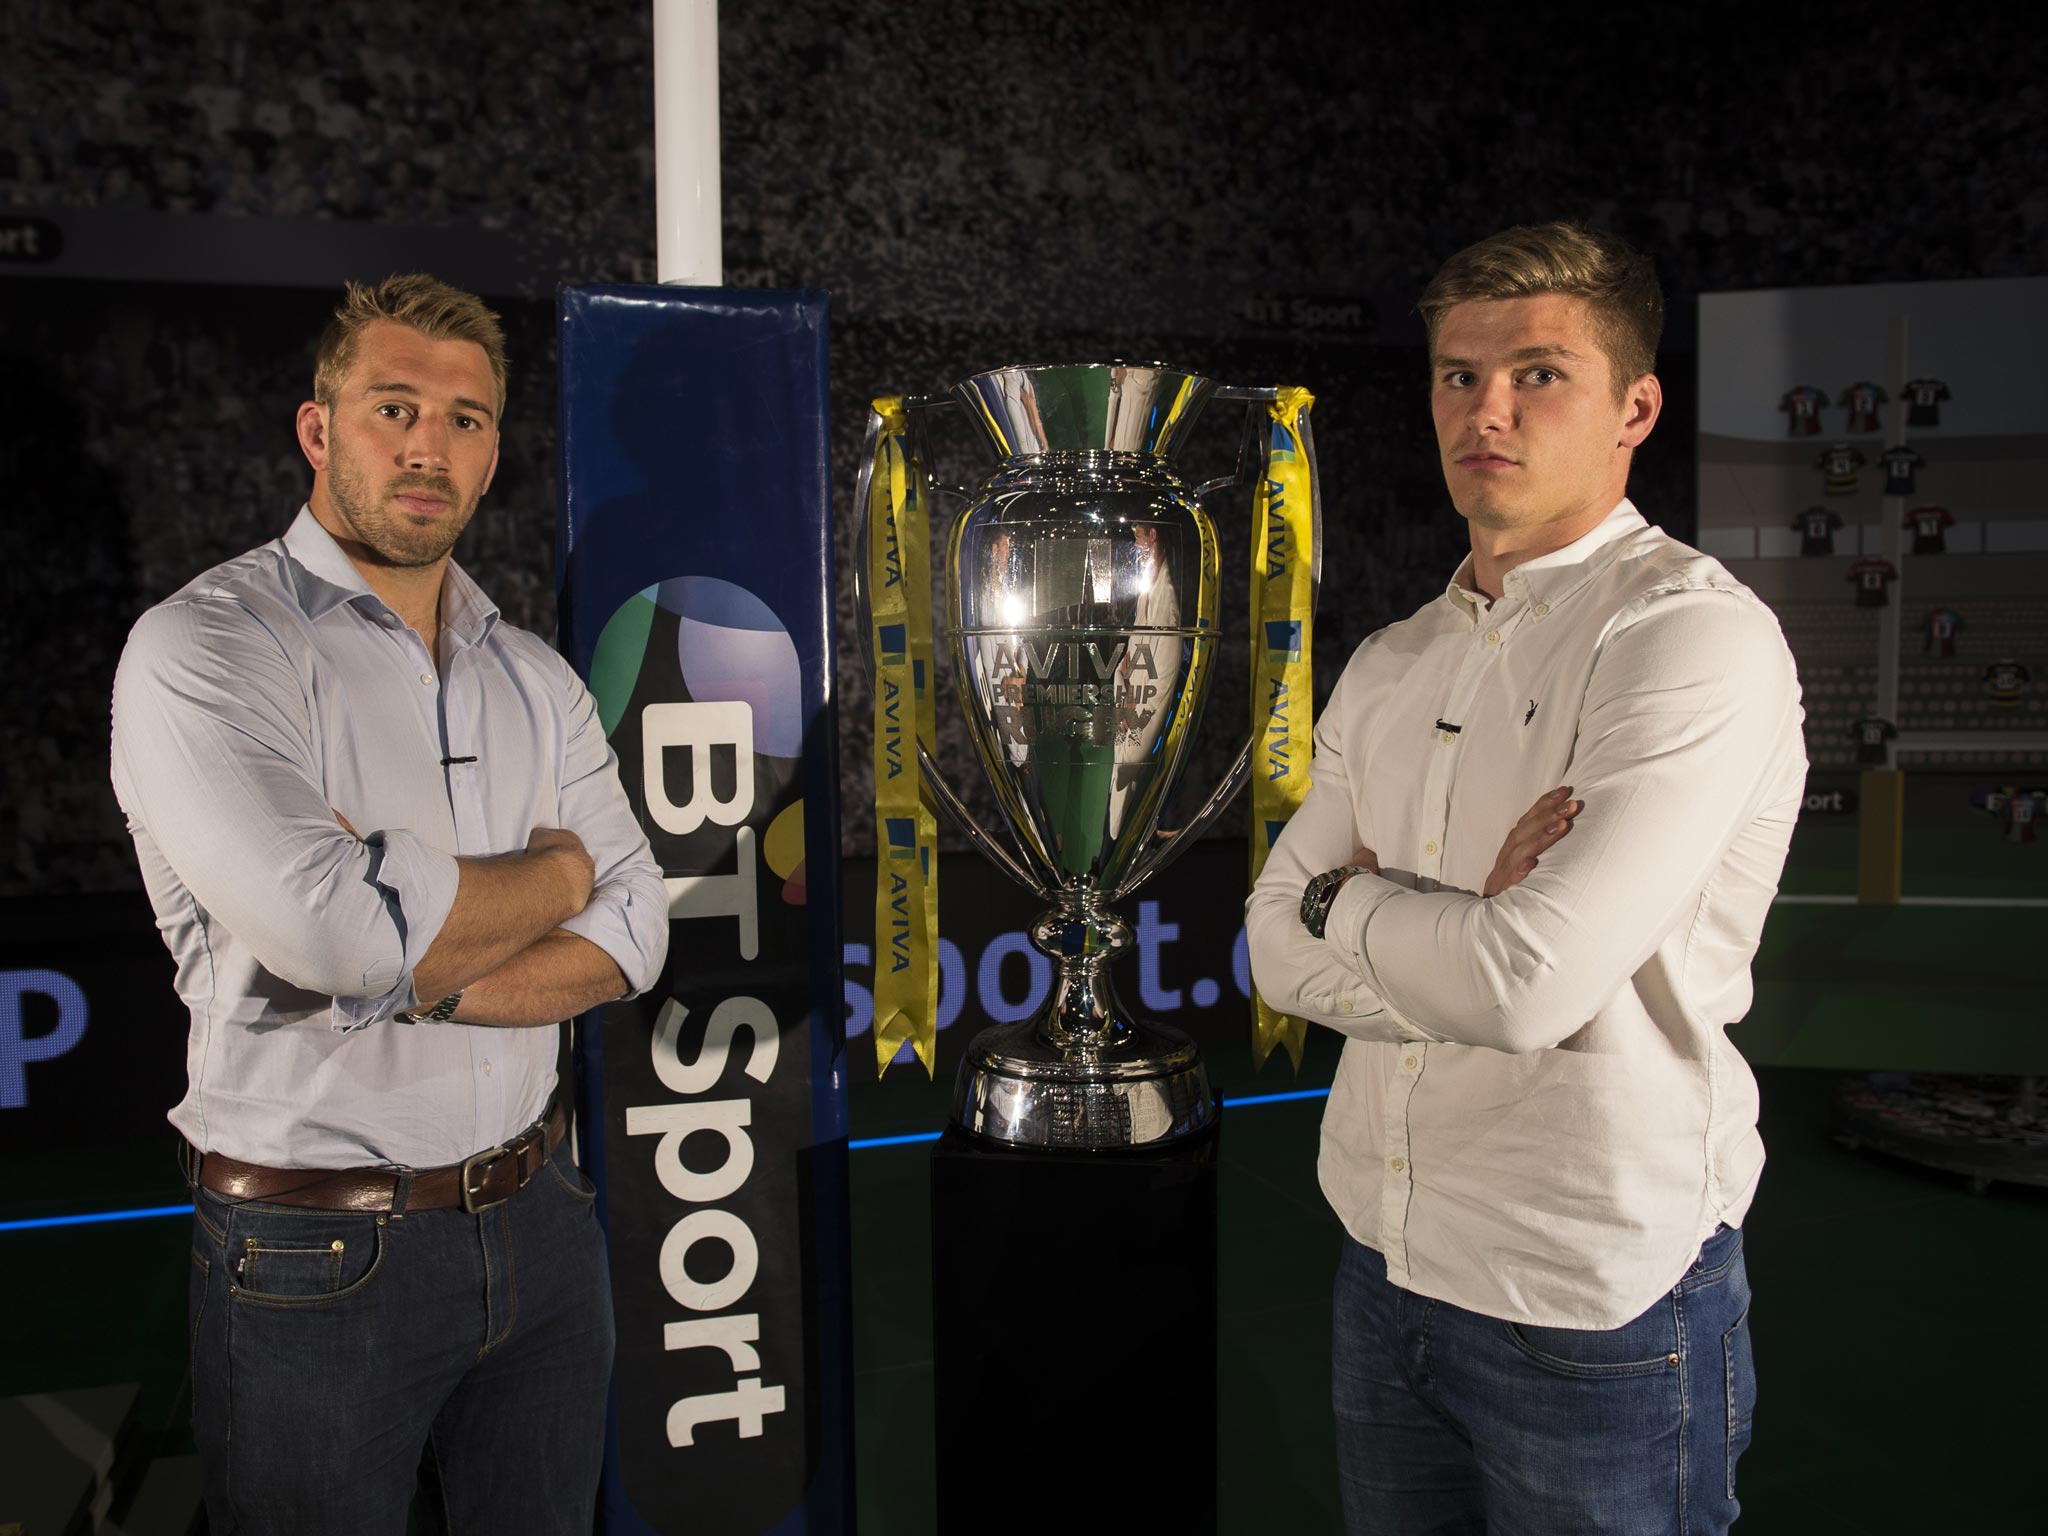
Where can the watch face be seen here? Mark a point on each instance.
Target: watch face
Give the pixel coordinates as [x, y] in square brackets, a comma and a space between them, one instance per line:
[1308, 903]
[1318, 896]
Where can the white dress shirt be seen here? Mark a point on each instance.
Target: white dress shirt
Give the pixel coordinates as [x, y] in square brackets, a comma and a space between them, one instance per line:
[274, 691]
[1538, 1115]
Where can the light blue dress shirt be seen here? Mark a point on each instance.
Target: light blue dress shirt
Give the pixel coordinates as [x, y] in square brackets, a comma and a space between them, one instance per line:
[249, 708]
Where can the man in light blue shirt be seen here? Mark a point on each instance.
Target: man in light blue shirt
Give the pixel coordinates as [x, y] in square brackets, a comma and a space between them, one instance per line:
[386, 843]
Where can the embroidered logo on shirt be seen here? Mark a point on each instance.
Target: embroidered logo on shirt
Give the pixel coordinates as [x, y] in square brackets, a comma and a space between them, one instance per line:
[1532, 713]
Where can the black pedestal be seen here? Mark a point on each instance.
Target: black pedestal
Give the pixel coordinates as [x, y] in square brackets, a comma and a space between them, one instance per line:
[1074, 1338]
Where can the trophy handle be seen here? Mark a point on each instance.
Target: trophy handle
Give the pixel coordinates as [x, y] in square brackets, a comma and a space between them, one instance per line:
[1248, 445]
[1018, 865]
[1168, 848]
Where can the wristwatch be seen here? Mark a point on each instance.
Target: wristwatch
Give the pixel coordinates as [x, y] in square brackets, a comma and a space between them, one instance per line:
[1320, 892]
[440, 1013]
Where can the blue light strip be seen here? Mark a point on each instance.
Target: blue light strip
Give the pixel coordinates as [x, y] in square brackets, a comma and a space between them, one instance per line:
[889, 1141]
[96, 1216]
[1278, 1098]
[860, 1145]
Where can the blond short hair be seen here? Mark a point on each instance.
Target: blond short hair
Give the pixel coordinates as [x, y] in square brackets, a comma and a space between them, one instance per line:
[1624, 305]
[418, 302]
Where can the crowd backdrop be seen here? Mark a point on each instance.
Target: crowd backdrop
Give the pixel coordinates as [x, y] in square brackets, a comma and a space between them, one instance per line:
[1258, 193]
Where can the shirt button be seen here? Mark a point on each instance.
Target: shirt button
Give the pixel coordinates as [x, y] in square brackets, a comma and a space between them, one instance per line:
[1429, 847]
[1409, 1062]
[1493, 637]
[427, 678]
[1447, 737]
[487, 1069]
[1396, 1164]
[1540, 609]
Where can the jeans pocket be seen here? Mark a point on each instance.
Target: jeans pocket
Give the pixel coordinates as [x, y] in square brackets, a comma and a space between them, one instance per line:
[1643, 1347]
[572, 1179]
[301, 1259]
[1739, 1360]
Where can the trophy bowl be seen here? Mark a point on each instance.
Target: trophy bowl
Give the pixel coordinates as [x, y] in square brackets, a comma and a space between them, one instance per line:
[1080, 587]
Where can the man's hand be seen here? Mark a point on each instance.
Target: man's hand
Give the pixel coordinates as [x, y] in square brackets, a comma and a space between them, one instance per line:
[1540, 827]
[565, 850]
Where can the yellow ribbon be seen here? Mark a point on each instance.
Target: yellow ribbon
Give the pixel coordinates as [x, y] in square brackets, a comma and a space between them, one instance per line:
[1283, 700]
[906, 831]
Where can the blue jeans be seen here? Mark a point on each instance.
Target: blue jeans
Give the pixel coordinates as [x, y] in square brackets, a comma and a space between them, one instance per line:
[1451, 1422]
[341, 1360]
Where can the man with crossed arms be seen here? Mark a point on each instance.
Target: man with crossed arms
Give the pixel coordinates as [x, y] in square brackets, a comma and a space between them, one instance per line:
[1540, 1141]
[388, 849]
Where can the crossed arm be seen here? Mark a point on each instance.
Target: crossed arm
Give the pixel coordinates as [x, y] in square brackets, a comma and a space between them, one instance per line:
[216, 763]
[1305, 976]
[1688, 734]
[502, 947]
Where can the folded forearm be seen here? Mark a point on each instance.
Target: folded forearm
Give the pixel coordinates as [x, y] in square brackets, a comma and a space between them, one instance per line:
[1298, 974]
[502, 905]
[557, 977]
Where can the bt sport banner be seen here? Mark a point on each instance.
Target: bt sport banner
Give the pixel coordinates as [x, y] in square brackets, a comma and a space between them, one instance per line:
[695, 597]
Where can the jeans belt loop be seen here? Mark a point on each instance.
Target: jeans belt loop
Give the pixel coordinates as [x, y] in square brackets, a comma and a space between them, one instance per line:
[401, 1194]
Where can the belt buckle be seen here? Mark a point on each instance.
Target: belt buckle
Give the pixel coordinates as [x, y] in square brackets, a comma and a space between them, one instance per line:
[485, 1159]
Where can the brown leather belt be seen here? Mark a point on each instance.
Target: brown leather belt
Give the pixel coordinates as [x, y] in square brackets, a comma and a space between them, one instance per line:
[477, 1183]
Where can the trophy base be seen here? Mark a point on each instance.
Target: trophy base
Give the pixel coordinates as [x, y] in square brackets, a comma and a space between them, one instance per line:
[1017, 1088]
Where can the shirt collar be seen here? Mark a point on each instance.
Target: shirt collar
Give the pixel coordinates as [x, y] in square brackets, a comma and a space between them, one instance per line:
[465, 611]
[324, 578]
[1551, 578]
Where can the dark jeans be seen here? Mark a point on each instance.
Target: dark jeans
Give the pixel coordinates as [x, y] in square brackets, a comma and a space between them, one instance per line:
[338, 1360]
[1451, 1422]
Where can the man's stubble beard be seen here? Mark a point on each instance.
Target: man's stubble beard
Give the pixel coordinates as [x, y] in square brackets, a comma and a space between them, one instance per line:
[390, 536]
[1480, 505]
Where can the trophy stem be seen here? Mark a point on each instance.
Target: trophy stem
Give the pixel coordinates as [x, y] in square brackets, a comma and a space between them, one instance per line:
[1082, 939]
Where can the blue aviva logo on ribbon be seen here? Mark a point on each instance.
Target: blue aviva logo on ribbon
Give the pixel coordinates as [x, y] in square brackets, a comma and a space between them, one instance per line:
[1283, 640]
[891, 639]
[917, 680]
[1273, 831]
[902, 834]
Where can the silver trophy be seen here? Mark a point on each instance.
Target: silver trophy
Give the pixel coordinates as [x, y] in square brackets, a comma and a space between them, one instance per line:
[1080, 586]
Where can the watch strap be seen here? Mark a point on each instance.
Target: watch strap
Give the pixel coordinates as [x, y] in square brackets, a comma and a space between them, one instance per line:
[440, 1013]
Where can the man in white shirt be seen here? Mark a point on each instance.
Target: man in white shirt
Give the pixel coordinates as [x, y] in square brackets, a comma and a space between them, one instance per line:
[397, 1272]
[1540, 1141]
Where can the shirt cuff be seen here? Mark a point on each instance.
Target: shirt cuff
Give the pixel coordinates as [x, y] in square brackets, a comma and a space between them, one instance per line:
[418, 885]
[609, 921]
[1344, 925]
[1360, 897]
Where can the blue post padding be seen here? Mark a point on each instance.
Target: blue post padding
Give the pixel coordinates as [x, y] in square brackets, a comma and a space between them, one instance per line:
[695, 583]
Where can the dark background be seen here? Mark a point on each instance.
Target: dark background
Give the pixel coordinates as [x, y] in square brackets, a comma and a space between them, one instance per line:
[1256, 192]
